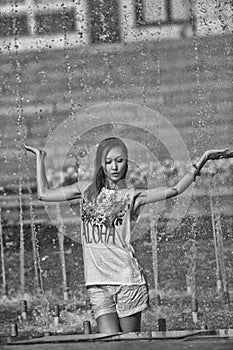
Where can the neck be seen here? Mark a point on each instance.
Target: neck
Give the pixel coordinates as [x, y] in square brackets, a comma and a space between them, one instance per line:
[111, 185]
[115, 185]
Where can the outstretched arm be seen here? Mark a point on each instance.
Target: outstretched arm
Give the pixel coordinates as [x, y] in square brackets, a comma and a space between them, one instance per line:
[157, 194]
[44, 192]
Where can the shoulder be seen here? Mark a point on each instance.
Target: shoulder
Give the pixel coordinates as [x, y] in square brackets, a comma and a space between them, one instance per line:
[135, 192]
[137, 202]
[139, 195]
[127, 193]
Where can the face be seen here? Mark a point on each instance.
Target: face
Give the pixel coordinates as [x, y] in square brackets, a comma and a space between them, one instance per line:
[114, 165]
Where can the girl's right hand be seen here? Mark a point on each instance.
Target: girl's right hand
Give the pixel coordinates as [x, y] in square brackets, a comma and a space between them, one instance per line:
[218, 154]
[212, 154]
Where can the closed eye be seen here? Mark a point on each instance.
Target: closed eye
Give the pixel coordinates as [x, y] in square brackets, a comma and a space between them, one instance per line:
[118, 160]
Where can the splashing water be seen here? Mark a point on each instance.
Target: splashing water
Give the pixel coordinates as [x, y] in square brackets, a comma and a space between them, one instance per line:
[143, 78]
[21, 130]
[35, 242]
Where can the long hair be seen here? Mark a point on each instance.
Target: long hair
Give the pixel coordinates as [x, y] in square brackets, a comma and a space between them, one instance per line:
[99, 179]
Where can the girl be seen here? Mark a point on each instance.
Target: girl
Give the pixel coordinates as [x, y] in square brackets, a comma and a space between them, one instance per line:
[114, 280]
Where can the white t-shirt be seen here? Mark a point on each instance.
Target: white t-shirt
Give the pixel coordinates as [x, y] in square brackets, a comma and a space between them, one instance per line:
[105, 229]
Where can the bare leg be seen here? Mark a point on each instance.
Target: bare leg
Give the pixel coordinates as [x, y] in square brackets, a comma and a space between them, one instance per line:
[108, 323]
[131, 323]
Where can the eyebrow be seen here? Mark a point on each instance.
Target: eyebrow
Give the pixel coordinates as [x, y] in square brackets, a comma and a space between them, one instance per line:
[115, 158]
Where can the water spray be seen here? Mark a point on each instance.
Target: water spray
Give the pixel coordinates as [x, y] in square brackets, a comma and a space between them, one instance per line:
[216, 248]
[4, 285]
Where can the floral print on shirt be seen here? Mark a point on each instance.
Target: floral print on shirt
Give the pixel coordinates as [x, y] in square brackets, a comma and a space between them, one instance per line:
[107, 209]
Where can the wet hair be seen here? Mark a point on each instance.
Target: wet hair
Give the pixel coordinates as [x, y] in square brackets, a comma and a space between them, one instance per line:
[99, 179]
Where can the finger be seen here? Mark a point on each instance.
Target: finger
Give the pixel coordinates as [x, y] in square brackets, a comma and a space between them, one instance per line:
[228, 155]
[222, 150]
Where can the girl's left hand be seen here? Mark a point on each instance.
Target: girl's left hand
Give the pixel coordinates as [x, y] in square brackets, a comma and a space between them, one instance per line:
[218, 154]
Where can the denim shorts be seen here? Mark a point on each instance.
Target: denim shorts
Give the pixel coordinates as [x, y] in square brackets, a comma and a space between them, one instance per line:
[122, 299]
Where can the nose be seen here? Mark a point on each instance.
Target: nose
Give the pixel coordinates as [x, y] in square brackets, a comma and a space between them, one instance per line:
[114, 165]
